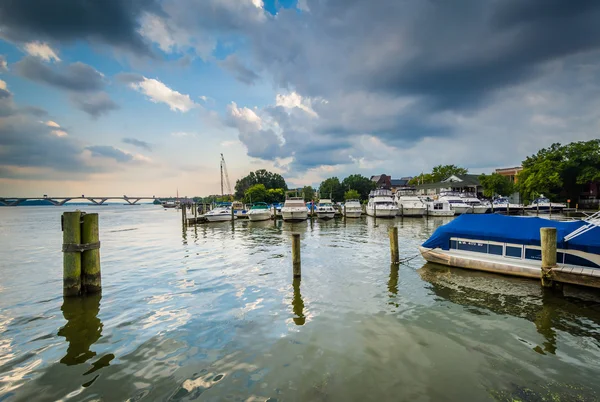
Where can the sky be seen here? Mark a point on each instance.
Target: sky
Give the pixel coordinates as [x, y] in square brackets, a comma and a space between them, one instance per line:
[140, 97]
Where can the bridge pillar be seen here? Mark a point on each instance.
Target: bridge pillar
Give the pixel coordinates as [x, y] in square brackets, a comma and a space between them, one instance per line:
[132, 202]
[63, 202]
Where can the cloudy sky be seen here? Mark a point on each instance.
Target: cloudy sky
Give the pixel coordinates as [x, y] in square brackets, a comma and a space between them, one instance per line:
[141, 97]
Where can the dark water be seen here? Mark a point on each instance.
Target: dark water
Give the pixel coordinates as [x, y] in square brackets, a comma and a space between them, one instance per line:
[213, 314]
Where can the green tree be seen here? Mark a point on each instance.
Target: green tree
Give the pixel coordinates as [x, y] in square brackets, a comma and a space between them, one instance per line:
[363, 185]
[442, 172]
[268, 179]
[309, 193]
[275, 195]
[351, 195]
[560, 171]
[496, 184]
[332, 188]
[256, 193]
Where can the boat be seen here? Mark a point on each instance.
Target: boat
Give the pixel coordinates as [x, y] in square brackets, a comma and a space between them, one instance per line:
[543, 205]
[437, 207]
[238, 209]
[259, 211]
[294, 210]
[381, 204]
[501, 205]
[511, 244]
[409, 204]
[479, 206]
[169, 204]
[219, 214]
[353, 209]
[456, 202]
[325, 209]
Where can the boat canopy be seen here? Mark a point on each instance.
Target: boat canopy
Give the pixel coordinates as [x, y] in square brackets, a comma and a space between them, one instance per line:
[516, 230]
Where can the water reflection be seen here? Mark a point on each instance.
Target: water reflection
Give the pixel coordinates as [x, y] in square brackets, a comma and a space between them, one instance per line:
[298, 303]
[393, 284]
[524, 298]
[83, 327]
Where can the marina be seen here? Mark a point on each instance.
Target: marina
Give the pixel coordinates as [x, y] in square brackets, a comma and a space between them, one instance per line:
[213, 311]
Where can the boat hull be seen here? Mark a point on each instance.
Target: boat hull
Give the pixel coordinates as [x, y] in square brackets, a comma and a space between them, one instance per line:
[326, 215]
[259, 216]
[382, 212]
[353, 214]
[294, 216]
[440, 212]
[461, 210]
[218, 218]
[407, 211]
[481, 209]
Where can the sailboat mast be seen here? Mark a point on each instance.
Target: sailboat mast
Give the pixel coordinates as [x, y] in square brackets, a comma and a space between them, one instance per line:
[222, 175]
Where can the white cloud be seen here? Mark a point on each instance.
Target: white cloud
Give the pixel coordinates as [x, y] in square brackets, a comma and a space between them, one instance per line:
[258, 3]
[155, 29]
[41, 50]
[293, 100]
[244, 117]
[51, 123]
[3, 64]
[59, 133]
[3, 85]
[158, 92]
[231, 143]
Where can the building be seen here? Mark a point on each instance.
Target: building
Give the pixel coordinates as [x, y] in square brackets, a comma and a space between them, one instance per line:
[382, 181]
[511, 173]
[397, 184]
[590, 197]
[466, 183]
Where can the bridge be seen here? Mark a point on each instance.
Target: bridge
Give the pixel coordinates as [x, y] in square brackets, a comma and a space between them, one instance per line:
[58, 201]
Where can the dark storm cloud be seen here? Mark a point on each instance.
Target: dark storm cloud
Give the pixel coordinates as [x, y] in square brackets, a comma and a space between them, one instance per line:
[129, 78]
[241, 72]
[77, 77]
[138, 143]
[95, 105]
[107, 151]
[114, 22]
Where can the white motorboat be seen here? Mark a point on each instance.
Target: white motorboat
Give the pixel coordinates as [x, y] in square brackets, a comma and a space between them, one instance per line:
[325, 209]
[409, 204]
[294, 209]
[238, 209]
[437, 207]
[260, 211]
[456, 203]
[479, 206]
[219, 214]
[170, 204]
[381, 204]
[543, 205]
[501, 205]
[353, 209]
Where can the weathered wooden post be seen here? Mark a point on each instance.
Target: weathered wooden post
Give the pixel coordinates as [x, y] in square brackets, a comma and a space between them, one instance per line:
[550, 210]
[344, 210]
[548, 244]
[402, 210]
[71, 226]
[374, 209]
[232, 213]
[90, 258]
[296, 262]
[195, 213]
[312, 208]
[393, 233]
[576, 207]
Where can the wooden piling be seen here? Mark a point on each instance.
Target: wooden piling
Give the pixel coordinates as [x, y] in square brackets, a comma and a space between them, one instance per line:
[374, 210]
[548, 244]
[395, 255]
[195, 213]
[90, 259]
[312, 208]
[296, 262]
[344, 210]
[71, 259]
[232, 213]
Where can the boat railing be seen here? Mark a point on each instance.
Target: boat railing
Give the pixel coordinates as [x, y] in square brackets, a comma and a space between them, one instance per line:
[592, 222]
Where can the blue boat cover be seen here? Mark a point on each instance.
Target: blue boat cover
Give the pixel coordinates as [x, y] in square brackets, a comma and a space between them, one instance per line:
[513, 229]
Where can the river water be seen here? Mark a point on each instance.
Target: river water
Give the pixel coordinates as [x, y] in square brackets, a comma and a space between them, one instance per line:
[212, 314]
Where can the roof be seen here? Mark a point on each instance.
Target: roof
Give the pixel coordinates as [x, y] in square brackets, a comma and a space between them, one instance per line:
[465, 179]
[407, 178]
[399, 182]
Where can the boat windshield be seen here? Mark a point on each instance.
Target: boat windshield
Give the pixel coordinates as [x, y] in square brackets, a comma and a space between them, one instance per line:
[260, 205]
[383, 203]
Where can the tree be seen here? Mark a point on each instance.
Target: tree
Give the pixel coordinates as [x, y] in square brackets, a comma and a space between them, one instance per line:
[309, 193]
[442, 172]
[421, 179]
[363, 185]
[268, 179]
[331, 188]
[560, 171]
[275, 195]
[351, 195]
[256, 193]
[496, 184]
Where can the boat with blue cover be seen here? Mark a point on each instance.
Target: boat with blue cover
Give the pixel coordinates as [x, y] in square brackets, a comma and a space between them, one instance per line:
[511, 245]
